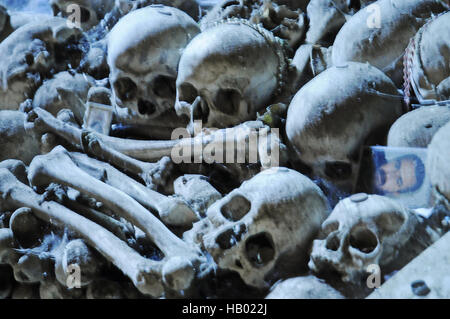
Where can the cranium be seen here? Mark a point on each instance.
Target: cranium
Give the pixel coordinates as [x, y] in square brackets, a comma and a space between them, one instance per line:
[334, 114]
[417, 128]
[379, 33]
[437, 166]
[144, 66]
[264, 228]
[31, 53]
[211, 74]
[91, 11]
[430, 70]
[366, 230]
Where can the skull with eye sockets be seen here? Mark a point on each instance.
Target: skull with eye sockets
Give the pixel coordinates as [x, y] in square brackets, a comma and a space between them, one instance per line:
[144, 49]
[230, 72]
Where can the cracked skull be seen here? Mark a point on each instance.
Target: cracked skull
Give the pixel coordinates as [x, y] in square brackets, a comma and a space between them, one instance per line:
[91, 11]
[31, 54]
[211, 84]
[144, 49]
[335, 114]
[263, 229]
[363, 230]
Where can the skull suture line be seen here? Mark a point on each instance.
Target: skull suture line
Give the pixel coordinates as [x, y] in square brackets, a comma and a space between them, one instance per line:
[231, 71]
[144, 49]
[263, 229]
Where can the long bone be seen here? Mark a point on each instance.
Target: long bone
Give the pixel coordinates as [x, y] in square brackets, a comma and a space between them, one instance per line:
[144, 273]
[45, 122]
[239, 137]
[58, 167]
[172, 211]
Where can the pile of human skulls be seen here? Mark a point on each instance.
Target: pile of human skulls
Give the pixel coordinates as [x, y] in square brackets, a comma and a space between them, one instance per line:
[163, 149]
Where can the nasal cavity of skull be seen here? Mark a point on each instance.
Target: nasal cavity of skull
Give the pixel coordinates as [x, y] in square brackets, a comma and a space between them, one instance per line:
[338, 170]
[260, 249]
[227, 101]
[201, 112]
[164, 87]
[146, 107]
[236, 208]
[363, 239]
[126, 89]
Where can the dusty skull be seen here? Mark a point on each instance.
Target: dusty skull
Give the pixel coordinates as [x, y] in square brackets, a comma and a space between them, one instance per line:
[91, 11]
[144, 49]
[379, 33]
[437, 165]
[430, 70]
[417, 128]
[365, 230]
[263, 229]
[31, 53]
[211, 84]
[334, 114]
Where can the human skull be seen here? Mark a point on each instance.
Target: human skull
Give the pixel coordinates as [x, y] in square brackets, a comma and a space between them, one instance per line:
[363, 230]
[91, 11]
[211, 74]
[263, 229]
[31, 53]
[380, 33]
[144, 66]
[430, 70]
[417, 128]
[334, 114]
[64, 90]
[437, 166]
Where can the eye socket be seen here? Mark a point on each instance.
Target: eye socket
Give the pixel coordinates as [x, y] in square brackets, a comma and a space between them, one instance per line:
[227, 101]
[338, 170]
[260, 249]
[363, 239]
[85, 15]
[126, 89]
[164, 87]
[188, 93]
[236, 208]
